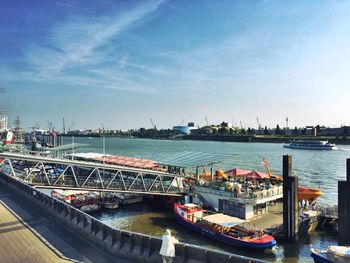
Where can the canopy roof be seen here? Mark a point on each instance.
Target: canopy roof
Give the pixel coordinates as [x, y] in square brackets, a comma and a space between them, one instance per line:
[118, 160]
[223, 220]
[237, 172]
[70, 192]
[190, 159]
[257, 175]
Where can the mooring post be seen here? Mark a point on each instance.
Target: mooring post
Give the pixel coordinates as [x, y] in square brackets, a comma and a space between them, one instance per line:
[344, 209]
[290, 200]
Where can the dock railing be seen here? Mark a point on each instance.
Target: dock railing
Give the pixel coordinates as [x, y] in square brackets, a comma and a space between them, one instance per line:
[255, 196]
[135, 246]
[330, 211]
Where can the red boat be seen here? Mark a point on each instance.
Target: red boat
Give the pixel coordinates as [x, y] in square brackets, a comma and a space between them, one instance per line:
[224, 228]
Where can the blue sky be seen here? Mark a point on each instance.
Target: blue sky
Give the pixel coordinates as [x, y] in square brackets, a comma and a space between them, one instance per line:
[121, 63]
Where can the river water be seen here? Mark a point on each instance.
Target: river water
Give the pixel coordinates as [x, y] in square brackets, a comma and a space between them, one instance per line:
[314, 168]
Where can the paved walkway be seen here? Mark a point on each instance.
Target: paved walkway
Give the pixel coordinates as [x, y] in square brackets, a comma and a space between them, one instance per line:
[30, 234]
[21, 243]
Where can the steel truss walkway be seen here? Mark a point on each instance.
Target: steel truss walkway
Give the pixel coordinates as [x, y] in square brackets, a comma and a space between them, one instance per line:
[54, 173]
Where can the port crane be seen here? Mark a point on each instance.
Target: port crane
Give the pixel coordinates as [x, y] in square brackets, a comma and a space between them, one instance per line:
[50, 126]
[259, 125]
[64, 127]
[153, 125]
[71, 126]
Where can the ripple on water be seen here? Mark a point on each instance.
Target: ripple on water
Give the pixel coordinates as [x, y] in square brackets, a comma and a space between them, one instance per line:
[313, 168]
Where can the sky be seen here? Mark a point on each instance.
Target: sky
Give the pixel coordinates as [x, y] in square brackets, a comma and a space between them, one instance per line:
[118, 64]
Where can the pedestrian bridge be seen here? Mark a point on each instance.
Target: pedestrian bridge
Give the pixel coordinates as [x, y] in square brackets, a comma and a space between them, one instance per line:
[56, 173]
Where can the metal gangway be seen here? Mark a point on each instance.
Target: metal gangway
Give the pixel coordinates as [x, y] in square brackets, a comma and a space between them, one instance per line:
[59, 173]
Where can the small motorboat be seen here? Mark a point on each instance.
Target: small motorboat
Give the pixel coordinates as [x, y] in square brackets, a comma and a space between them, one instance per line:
[336, 254]
[109, 201]
[224, 228]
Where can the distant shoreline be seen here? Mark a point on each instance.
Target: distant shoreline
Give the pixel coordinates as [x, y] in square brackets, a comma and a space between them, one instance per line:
[228, 138]
[270, 139]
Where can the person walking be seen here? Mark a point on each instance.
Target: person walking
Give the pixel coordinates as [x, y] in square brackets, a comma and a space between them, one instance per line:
[167, 251]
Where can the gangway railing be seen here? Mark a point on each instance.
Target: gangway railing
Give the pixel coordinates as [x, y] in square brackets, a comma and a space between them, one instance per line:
[58, 173]
[254, 197]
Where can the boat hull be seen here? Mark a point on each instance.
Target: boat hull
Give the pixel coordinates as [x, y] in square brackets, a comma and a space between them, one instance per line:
[131, 200]
[320, 257]
[90, 208]
[328, 148]
[222, 238]
[110, 205]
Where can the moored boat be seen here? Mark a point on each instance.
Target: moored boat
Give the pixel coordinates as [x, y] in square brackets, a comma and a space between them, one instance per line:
[309, 194]
[83, 200]
[224, 228]
[310, 145]
[128, 199]
[110, 202]
[335, 254]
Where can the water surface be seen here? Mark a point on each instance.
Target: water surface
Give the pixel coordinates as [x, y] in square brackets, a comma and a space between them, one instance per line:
[314, 168]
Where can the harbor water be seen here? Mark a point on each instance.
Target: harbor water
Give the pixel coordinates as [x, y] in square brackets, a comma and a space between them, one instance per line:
[314, 168]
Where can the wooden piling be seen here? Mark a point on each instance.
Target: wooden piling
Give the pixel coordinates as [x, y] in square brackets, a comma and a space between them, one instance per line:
[290, 200]
[344, 209]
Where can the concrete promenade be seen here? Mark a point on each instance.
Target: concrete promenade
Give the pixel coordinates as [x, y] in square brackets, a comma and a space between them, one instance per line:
[27, 234]
[20, 243]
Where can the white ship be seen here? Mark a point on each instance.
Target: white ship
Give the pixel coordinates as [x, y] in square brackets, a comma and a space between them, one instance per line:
[310, 145]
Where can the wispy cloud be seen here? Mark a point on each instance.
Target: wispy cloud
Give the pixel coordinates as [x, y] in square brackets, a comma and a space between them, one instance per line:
[85, 41]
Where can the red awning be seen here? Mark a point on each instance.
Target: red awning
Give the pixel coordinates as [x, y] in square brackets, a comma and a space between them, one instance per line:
[237, 172]
[256, 175]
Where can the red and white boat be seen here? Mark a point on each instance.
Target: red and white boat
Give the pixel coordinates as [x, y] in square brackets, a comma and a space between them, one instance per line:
[83, 200]
[224, 228]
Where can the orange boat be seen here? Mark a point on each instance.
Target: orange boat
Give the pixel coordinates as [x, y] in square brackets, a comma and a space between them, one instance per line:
[309, 194]
[304, 193]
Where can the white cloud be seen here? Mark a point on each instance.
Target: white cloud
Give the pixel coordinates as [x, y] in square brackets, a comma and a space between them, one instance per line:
[83, 41]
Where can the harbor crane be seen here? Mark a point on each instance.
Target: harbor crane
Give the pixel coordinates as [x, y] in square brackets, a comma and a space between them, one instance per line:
[64, 127]
[259, 125]
[182, 122]
[50, 126]
[71, 126]
[153, 125]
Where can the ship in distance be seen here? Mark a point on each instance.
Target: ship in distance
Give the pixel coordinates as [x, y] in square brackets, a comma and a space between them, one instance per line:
[310, 145]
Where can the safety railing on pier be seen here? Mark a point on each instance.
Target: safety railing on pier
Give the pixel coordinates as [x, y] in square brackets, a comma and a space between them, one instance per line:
[58, 173]
[330, 211]
[256, 196]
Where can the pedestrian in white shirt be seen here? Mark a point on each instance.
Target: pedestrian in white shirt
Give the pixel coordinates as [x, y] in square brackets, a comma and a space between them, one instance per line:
[167, 251]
